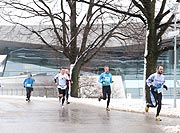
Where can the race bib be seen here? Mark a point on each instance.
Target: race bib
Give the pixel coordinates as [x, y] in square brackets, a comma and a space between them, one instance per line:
[107, 78]
[28, 85]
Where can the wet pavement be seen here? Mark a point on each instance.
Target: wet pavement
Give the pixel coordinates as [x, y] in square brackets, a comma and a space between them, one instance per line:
[47, 116]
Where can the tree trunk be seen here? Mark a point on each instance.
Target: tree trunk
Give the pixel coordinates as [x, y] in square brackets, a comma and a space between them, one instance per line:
[151, 58]
[151, 63]
[75, 79]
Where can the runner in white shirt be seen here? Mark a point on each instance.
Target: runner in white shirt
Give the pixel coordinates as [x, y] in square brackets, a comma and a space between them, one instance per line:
[61, 80]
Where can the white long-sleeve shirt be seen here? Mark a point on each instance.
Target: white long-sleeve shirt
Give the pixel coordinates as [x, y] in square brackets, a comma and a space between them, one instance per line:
[61, 80]
[157, 80]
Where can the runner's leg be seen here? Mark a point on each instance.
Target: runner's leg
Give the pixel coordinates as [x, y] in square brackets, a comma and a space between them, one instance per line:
[67, 94]
[28, 93]
[159, 104]
[59, 96]
[30, 90]
[104, 88]
[153, 99]
[63, 93]
[109, 95]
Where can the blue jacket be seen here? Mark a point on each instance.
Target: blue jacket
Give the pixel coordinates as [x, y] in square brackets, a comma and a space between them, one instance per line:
[105, 79]
[156, 80]
[28, 82]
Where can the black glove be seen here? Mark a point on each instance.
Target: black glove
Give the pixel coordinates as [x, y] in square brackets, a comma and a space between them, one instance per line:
[165, 87]
[152, 87]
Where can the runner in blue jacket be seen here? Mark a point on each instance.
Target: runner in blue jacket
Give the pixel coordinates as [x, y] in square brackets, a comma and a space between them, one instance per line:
[156, 83]
[28, 84]
[105, 79]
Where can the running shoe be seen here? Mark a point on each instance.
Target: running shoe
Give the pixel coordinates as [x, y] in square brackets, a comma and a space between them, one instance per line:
[146, 109]
[99, 98]
[158, 118]
[107, 109]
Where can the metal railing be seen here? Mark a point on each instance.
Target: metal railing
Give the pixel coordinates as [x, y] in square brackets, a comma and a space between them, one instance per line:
[38, 92]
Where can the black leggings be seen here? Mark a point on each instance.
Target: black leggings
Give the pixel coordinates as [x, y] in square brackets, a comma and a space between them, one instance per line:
[106, 92]
[158, 99]
[28, 93]
[67, 93]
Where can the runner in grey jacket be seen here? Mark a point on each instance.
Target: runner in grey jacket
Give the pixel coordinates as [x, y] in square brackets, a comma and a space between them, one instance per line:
[156, 83]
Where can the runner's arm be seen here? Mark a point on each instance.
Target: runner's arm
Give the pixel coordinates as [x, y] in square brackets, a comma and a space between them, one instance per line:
[149, 80]
[101, 78]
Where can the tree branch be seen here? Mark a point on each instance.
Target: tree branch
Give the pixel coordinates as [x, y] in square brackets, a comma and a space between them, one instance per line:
[116, 10]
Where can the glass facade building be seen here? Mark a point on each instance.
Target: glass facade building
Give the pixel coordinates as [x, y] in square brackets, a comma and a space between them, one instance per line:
[44, 63]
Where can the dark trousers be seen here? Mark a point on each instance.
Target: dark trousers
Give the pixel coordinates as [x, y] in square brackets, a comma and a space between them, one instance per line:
[63, 93]
[28, 93]
[158, 98]
[106, 90]
[67, 93]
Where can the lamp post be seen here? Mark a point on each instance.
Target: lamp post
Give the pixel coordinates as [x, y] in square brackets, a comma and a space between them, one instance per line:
[175, 60]
[174, 10]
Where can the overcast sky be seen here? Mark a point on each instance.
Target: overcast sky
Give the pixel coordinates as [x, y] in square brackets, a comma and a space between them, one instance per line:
[82, 8]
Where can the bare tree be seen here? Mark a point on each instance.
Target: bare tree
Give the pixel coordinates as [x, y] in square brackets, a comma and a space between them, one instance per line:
[77, 32]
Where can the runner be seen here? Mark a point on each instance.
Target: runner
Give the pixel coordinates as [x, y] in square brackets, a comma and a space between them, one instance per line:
[105, 79]
[156, 83]
[28, 84]
[61, 80]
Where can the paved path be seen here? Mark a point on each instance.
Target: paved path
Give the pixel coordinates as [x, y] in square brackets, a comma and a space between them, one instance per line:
[46, 116]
